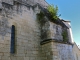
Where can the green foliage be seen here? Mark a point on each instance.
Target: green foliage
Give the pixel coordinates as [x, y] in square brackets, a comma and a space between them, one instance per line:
[53, 10]
[65, 36]
[40, 15]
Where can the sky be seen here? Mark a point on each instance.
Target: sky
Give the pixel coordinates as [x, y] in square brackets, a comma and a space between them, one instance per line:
[70, 10]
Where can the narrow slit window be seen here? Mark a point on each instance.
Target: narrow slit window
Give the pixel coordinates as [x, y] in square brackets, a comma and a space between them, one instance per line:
[12, 49]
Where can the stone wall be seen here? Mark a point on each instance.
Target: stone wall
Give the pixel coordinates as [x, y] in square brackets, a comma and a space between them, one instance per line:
[30, 2]
[56, 31]
[27, 33]
[57, 51]
[76, 52]
[8, 1]
[50, 30]
[70, 35]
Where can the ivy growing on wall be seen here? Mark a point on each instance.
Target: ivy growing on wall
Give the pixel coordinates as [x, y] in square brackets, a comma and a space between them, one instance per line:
[41, 21]
[40, 17]
[65, 36]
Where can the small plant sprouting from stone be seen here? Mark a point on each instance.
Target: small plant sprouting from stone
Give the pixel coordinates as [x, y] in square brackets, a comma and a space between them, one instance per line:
[65, 36]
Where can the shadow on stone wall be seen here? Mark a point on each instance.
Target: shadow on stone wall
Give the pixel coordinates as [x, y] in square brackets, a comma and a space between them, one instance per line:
[4, 27]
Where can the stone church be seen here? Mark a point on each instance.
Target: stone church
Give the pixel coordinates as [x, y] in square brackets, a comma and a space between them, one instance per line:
[24, 37]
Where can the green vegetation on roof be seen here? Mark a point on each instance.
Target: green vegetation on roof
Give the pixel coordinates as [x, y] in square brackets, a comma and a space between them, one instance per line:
[53, 10]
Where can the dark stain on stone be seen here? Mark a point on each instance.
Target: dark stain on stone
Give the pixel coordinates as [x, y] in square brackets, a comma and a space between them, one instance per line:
[4, 28]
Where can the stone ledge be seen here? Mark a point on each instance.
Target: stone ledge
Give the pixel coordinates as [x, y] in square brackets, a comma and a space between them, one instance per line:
[53, 40]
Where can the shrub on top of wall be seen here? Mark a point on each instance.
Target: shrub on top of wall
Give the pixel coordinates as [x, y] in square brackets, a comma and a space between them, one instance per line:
[53, 11]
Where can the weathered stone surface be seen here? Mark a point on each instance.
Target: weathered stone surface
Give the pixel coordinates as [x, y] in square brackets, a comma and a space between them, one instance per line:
[8, 1]
[58, 51]
[51, 30]
[28, 33]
